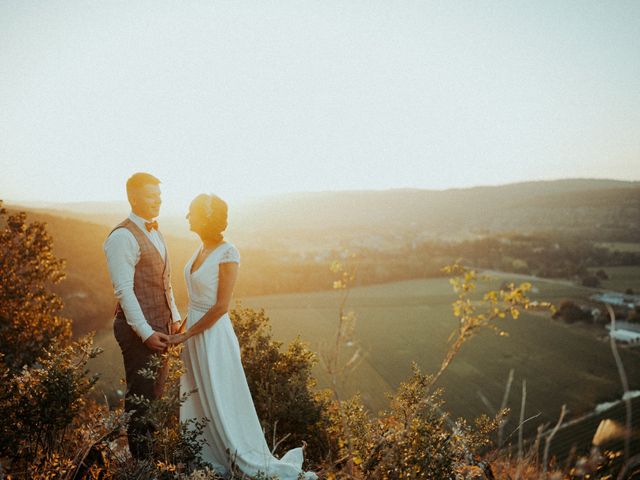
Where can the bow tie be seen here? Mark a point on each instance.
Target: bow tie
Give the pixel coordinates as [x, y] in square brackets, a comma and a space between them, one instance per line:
[151, 225]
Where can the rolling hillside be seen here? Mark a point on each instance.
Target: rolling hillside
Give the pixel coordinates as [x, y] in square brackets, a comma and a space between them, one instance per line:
[524, 206]
[577, 205]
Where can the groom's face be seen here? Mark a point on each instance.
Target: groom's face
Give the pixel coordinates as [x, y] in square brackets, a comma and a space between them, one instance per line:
[145, 201]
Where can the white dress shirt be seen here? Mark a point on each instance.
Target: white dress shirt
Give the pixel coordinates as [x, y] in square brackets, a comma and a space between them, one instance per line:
[123, 253]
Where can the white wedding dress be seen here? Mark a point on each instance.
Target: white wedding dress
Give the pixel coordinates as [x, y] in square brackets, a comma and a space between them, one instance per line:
[213, 367]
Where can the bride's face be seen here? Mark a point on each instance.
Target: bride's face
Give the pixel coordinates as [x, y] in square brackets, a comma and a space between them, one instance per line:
[196, 218]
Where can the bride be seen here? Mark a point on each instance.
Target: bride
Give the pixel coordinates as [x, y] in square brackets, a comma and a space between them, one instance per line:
[212, 357]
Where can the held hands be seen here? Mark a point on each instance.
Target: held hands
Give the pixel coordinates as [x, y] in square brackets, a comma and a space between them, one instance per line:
[178, 338]
[178, 330]
[157, 341]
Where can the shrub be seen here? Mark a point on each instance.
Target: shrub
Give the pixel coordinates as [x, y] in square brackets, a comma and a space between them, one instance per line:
[413, 439]
[570, 312]
[47, 425]
[29, 323]
[175, 446]
[591, 281]
[282, 386]
[44, 377]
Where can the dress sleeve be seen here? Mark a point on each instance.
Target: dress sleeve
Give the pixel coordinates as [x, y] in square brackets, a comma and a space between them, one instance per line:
[231, 254]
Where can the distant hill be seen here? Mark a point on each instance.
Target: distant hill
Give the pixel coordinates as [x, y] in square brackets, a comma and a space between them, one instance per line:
[445, 210]
[526, 206]
[104, 213]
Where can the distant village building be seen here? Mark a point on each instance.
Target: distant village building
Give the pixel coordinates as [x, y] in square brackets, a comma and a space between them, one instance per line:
[630, 326]
[625, 332]
[623, 335]
[617, 299]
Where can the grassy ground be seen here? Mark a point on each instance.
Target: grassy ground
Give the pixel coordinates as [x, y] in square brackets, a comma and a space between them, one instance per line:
[621, 278]
[409, 321]
[621, 246]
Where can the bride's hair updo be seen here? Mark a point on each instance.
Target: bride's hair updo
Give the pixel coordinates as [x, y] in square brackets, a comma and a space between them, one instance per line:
[214, 210]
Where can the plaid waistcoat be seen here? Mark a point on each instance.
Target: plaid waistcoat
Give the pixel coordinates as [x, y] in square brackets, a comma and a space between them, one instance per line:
[151, 280]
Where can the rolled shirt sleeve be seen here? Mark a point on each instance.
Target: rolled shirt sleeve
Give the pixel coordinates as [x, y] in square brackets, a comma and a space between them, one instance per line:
[122, 252]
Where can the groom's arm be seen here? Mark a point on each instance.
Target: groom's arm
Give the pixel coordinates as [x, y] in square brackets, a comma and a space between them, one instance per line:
[122, 253]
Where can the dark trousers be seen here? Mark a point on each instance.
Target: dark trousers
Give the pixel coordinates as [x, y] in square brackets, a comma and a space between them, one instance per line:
[136, 356]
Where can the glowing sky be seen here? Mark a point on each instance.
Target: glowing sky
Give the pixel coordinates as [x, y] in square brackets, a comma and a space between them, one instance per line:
[263, 97]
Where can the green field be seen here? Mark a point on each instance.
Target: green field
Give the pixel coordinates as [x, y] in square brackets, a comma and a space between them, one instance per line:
[621, 278]
[621, 246]
[409, 321]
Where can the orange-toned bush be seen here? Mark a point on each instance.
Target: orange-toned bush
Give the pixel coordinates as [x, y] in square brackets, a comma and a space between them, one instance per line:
[28, 309]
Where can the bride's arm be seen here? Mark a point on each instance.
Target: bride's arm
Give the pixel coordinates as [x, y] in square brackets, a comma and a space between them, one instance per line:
[227, 274]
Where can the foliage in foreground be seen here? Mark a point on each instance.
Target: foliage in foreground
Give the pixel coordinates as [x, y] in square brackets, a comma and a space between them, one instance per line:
[29, 323]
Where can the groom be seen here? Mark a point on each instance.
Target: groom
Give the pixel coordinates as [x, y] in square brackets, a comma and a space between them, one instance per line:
[146, 312]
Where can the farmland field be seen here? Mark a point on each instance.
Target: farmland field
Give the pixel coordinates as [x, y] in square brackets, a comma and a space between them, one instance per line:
[407, 321]
[621, 246]
[621, 278]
